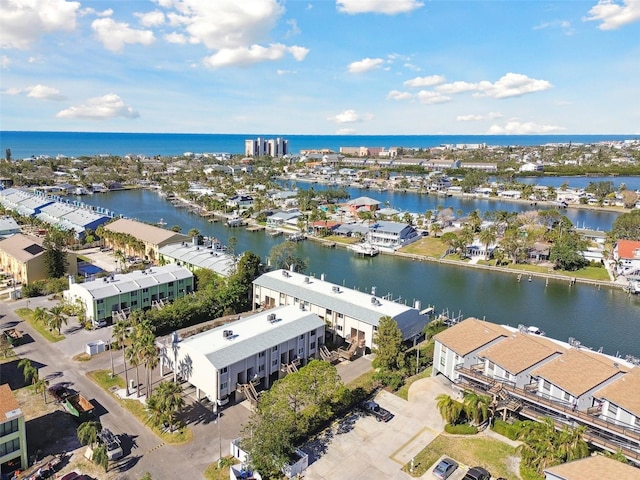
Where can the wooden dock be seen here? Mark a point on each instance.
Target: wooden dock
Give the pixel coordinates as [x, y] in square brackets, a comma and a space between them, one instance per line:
[255, 228]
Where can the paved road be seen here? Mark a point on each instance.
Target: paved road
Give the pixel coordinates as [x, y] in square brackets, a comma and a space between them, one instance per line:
[147, 452]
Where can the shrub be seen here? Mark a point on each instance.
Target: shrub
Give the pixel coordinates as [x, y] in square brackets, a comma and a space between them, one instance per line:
[461, 429]
[509, 430]
[393, 380]
[34, 289]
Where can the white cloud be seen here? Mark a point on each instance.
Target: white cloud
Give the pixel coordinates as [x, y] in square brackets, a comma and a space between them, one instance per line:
[346, 131]
[398, 95]
[513, 85]
[41, 92]
[429, 81]
[225, 24]
[614, 15]
[429, 97]
[515, 127]
[388, 7]
[23, 22]
[457, 87]
[151, 19]
[5, 61]
[90, 11]
[477, 118]
[411, 66]
[242, 56]
[365, 65]
[100, 108]
[175, 37]
[564, 25]
[115, 35]
[350, 116]
[286, 72]
[293, 28]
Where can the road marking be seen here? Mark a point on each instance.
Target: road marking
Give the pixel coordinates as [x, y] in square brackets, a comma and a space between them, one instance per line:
[411, 440]
[155, 448]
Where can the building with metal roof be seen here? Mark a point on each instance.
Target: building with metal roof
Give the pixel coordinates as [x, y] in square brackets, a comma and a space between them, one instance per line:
[119, 294]
[350, 314]
[230, 362]
[211, 256]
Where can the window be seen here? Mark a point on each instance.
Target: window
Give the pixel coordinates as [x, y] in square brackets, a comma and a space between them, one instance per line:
[224, 370]
[274, 362]
[10, 446]
[339, 328]
[613, 410]
[375, 329]
[274, 349]
[261, 355]
[443, 360]
[261, 368]
[134, 303]
[100, 301]
[340, 315]
[134, 293]
[490, 366]
[145, 290]
[312, 346]
[224, 385]
[300, 352]
[546, 385]
[313, 333]
[443, 350]
[8, 427]
[170, 284]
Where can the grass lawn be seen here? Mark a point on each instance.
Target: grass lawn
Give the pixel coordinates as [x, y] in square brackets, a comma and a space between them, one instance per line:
[589, 273]
[427, 246]
[103, 378]
[214, 473]
[365, 381]
[491, 454]
[27, 315]
[341, 239]
[404, 390]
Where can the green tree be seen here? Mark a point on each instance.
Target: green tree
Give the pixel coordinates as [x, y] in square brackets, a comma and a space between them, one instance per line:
[57, 318]
[29, 372]
[285, 256]
[120, 334]
[476, 407]
[565, 252]
[168, 401]
[436, 229]
[100, 457]
[450, 409]
[626, 226]
[55, 256]
[41, 315]
[487, 237]
[433, 328]
[87, 432]
[389, 348]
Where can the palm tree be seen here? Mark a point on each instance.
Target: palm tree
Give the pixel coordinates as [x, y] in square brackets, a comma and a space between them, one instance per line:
[132, 353]
[449, 408]
[570, 443]
[41, 315]
[88, 432]
[57, 318]
[41, 384]
[436, 229]
[171, 400]
[476, 407]
[433, 328]
[155, 414]
[28, 370]
[487, 237]
[100, 457]
[120, 335]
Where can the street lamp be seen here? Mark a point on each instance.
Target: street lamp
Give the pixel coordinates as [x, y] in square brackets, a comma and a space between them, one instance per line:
[216, 411]
[113, 373]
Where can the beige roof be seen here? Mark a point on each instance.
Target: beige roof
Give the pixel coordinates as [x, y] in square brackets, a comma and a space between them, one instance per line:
[520, 351]
[578, 371]
[8, 402]
[624, 392]
[147, 233]
[470, 334]
[596, 467]
[22, 247]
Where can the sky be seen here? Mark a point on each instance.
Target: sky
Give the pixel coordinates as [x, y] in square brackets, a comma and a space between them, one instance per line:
[366, 67]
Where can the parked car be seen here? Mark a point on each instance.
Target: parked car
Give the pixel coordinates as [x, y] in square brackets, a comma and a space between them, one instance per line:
[477, 473]
[381, 414]
[60, 392]
[444, 468]
[111, 443]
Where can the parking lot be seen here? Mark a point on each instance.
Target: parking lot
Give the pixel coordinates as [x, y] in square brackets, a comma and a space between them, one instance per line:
[359, 447]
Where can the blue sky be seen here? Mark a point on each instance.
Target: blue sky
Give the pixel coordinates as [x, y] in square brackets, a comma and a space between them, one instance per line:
[370, 67]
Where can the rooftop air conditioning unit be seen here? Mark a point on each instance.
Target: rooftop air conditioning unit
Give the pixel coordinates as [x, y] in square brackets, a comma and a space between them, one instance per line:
[374, 300]
[271, 317]
[335, 289]
[306, 279]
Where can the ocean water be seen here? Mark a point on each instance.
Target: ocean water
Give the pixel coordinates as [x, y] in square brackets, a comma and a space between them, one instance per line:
[77, 144]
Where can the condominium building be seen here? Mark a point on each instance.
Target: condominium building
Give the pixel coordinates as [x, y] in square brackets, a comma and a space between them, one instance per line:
[349, 314]
[119, 294]
[274, 147]
[234, 361]
[13, 435]
[596, 467]
[532, 376]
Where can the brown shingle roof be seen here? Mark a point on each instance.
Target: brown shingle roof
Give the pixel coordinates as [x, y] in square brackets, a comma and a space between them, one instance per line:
[520, 351]
[578, 371]
[470, 334]
[7, 402]
[596, 467]
[147, 233]
[624, 392]
[18, 247]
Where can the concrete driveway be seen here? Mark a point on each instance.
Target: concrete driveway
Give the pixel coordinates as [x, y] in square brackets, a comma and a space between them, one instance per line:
[359, 447]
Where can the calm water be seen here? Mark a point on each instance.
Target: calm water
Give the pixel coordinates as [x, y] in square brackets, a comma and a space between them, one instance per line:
[76, 144]
[598, 318]
[420, 203]
[632, 183]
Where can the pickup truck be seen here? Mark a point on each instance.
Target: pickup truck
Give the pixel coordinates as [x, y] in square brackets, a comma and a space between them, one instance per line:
[111, 443]
[381, 414]
[60, 392]
[79, 407]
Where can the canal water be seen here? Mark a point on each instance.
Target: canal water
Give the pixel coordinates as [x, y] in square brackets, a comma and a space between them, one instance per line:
[596, 317]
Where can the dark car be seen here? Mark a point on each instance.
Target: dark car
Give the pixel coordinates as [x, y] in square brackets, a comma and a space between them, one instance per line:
[444, 468]
[60, 392]
[477, 473]
[381, 414]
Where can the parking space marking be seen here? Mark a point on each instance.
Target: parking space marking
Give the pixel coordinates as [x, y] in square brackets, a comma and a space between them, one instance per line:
[411, 440]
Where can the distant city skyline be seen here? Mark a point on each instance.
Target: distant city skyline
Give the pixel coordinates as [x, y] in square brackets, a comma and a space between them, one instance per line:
[364, 67]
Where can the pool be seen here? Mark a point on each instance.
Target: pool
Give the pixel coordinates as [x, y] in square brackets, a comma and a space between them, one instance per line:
[87, 269]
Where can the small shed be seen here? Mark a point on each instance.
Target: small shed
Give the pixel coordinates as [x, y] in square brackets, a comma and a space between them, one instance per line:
[93, 348]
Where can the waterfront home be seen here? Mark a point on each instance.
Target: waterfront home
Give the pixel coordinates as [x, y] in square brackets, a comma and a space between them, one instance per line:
[228, 363]
[22, 258]
[240, 201]
[350, 315]
[362, 204]
[194, 257]
[13, 433]
[510, 194]
[152, 237]
[594, 467]
[279, 219]
[74, 217]
[626, 253]
[534, 377]
[119, 294]
[392, 235]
